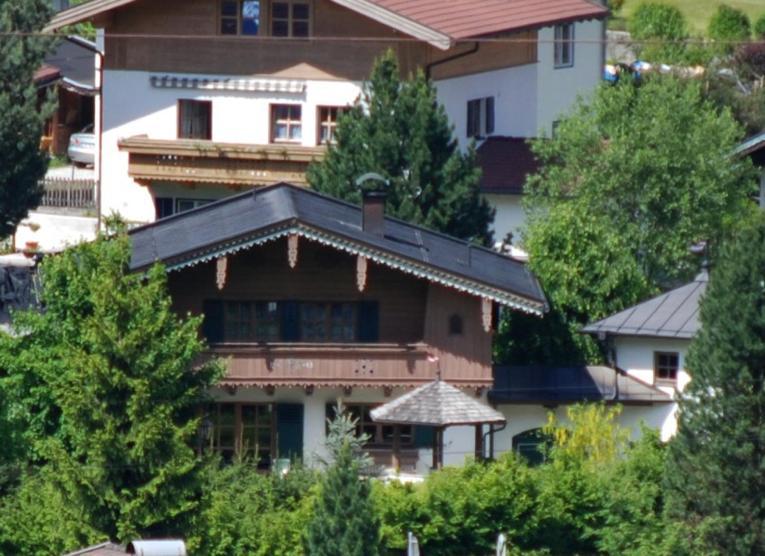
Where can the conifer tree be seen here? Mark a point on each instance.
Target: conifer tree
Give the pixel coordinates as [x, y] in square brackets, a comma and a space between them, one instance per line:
[398, 130]
[105, 383]
[22, 114]
[716, 469]
[344, 520]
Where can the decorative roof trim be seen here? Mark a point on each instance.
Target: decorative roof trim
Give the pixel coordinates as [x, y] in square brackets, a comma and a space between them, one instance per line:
[172, 81]
[354, 248]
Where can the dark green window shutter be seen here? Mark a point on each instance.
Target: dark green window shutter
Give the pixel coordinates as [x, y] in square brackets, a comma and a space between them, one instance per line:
[289, 430]
[290, 321]
[212, 327]
[423, 437]
[369, 321]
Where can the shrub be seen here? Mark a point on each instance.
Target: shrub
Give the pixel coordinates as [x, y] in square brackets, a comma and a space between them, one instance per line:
[729, 24]
[759, 28]
[663, 24]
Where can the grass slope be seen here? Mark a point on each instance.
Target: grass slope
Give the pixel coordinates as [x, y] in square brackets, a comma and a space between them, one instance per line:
[699, 12]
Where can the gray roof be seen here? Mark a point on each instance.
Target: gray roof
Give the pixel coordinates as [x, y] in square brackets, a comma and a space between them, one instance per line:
[751, 145]
[674, 314]
[436, 404]
[74, 57]
[555, 385]
[264, 214]
[103, 549]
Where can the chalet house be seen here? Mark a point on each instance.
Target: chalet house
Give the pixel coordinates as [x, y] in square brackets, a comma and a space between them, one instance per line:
[754, 148]
[310, 300]
[203, 98]
[650, 342]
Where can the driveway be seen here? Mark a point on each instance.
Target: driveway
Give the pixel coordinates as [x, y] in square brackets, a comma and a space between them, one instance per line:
[71, 172]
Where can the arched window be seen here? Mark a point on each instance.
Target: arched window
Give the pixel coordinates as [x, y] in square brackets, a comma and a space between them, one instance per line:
[531, 445]
[455, 325]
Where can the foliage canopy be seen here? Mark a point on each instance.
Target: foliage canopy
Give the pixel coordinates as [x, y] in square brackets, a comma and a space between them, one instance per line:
[398, 130]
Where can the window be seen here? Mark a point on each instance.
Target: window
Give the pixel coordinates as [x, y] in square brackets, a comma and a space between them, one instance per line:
[564, 45]
[167, 206]
[246, 429]
[380, 436]
[290, 19]
[455, 325]
[665, 366]
[286, 123]
[182, 205]
[194, 119]
[328, 116]
[532, 446]
[239, 17]
[290, 321]
[480, 117]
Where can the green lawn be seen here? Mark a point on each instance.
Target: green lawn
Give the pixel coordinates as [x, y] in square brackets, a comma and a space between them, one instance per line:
[698, 12]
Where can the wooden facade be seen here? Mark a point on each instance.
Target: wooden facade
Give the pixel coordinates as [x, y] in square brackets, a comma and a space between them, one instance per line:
[198, 161]
[415, 341]
[132, 43]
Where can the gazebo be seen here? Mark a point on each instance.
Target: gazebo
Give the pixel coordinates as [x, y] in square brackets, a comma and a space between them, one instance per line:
[438, 405]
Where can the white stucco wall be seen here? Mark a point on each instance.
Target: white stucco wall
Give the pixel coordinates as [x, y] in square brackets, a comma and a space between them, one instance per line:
[54, 232]
[558, 88]
[508, 216]
[515, 100]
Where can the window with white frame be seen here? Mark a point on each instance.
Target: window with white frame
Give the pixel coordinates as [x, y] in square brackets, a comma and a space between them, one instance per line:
[480, 117]
[328, 116]
[564, 45]
[290, 19]
[286, 123]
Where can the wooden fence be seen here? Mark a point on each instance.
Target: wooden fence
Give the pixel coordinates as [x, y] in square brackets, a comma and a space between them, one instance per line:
[69, 193]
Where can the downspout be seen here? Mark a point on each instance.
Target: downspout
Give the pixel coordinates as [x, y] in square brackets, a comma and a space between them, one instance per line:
[100, 91]
[430, 66]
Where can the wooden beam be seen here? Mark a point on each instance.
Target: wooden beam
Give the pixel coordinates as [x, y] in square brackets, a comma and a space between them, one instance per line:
[292, 250]
[487, 307]
[361, 272]
[221, 271]
[479, 443]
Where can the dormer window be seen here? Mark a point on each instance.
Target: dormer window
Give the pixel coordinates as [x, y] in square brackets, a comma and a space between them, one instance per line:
[240, 17]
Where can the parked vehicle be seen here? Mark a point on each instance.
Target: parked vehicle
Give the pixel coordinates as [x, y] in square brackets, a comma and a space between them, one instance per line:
[82, 147]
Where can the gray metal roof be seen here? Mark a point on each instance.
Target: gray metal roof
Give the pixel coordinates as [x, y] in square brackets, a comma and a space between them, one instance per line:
[436, 404]
[674, 314]
[555, 385]
[751, 145]
[103, 549]
[264, 214]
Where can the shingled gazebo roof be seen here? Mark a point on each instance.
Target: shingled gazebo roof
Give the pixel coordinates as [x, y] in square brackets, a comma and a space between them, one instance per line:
[436, 404]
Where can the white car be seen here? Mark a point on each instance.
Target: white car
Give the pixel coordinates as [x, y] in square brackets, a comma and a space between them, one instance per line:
[82, 147]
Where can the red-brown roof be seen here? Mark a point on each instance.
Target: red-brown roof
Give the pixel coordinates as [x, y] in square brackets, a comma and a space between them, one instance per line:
[460, 19]
[45, 74]
[505, 162]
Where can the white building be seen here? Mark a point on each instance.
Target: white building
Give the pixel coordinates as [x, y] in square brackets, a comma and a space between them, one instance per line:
[202, 98]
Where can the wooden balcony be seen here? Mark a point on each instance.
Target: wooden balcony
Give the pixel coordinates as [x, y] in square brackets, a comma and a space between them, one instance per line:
[340, 365]
[233, 164]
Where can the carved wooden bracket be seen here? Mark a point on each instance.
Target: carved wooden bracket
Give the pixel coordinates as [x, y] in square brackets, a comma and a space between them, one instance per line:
[221, 270]
[347, 391]
[387, 391]
[361, 272]
[309, 390]
[486, 313]
[292, 250]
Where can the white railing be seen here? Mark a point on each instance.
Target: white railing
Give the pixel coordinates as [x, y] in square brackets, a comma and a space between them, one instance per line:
[69, 193]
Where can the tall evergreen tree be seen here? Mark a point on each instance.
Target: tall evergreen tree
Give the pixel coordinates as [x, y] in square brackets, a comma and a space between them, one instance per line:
[105, 384]
[344, 520]
[716, 470]
[398, 129]
[22, 113]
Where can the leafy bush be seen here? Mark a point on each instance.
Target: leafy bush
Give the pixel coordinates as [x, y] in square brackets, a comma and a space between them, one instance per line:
[759, 28]
[663, 25]
[729, 24]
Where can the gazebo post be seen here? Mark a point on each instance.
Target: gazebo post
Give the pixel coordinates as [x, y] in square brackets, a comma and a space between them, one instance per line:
[396, 458]
[479, 442]
[438, 447]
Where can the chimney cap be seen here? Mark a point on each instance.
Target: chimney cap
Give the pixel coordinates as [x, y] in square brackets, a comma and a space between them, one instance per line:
[379, 183]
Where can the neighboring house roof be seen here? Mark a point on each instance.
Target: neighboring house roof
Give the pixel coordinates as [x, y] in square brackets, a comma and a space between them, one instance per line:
[72, 64]
[435, 21]
[674, 314]
[554, 385]
[269, 213]
[103, 549]
[436, 404]
[753, 147]
[505, 162]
